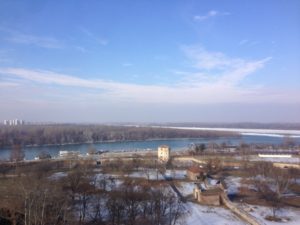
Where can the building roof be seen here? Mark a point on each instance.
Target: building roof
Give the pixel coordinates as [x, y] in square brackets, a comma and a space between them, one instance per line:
[212, 191]
[164, 146]
[195, 169]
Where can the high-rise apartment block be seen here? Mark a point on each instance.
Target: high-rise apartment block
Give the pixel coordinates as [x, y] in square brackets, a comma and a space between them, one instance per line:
[13, 122]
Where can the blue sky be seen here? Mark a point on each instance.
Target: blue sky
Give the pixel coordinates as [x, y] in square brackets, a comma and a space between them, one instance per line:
[145, 61]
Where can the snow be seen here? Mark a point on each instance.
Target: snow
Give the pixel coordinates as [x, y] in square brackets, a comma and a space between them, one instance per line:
[185, 188]
[111, 181]
[243, 131]
[260, 212]
[212, 182]
[297, 181]
[269, 134]
[58, 175]
[233, 184]
[276, 159]
[176, 174]
[206, 215]
[153, 175]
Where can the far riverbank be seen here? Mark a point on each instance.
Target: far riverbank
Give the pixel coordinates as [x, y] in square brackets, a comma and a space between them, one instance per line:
[175, 144]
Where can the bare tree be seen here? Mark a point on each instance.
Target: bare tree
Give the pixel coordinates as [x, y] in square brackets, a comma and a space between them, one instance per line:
[17, 154]
[36, 200]
[271, 183]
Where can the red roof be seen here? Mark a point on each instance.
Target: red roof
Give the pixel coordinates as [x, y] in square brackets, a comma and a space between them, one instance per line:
[195, 169]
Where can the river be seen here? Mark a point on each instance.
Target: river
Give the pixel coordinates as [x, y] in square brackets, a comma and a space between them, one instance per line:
[175, 144]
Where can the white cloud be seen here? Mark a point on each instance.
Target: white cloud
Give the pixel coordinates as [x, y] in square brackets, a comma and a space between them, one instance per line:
[48, 77]
[248, 42]
[207, 60]
[126, 64]
[210, 14]
[218, 79]
[81, 49]
[4, 84]
[219, 63]
[4, 56]
[243, 42]
[45, 42]
[94, 37]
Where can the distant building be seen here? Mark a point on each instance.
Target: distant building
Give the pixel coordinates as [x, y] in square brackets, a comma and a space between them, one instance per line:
[270, 155]
[13, 122]
[228, 149]
[163, 153]
[69, 154]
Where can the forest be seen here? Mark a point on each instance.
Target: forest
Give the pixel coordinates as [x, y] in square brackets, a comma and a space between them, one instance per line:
[73, 133]
[36, 196]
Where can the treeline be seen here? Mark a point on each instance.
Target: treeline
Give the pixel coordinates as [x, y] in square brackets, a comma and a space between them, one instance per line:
[70, 134]
[81, 197]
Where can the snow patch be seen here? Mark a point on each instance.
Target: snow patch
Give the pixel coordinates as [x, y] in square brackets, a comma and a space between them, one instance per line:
[206, 215]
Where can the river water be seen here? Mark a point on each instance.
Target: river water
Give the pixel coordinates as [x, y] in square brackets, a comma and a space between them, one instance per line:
[175, 144]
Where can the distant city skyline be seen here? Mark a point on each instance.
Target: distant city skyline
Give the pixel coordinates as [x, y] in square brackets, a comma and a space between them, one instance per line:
[150, 61]
[13, 122]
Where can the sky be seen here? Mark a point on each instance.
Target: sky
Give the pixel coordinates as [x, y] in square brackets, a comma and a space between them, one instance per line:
[150, 61]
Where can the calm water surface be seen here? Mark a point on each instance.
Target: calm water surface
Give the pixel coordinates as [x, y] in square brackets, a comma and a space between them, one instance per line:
[175, 144]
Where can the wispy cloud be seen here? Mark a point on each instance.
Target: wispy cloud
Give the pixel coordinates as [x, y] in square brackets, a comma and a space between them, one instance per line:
[48, 77]
[6, 55]
[210, 14]
[221, 67]
[247, 42]
[126, 64]
[94, 37]
[4, 84]
[81, 49]
[217, 80]
[213, 77]
[31, 39]
[243, 42]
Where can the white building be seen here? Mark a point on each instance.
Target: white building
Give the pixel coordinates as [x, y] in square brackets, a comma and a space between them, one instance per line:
[275, 155]
[65, 153]
[13, 122]
[163, 153]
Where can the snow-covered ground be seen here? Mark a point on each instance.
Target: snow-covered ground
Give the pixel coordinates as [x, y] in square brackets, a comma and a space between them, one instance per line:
[151, 174]
[154, 175]
[292, 215]
[107, 182]
[233, 184]
[206, 215]
[276, 159]
[264, 132]
[176, 174]
[185, 188]
[58, 175]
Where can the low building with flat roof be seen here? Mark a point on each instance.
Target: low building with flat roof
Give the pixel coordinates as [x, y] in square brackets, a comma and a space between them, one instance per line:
[208, 197]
